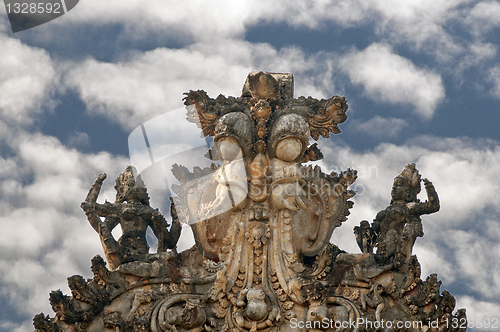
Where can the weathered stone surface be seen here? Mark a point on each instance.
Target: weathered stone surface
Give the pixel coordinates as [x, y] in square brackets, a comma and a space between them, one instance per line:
[262, 223]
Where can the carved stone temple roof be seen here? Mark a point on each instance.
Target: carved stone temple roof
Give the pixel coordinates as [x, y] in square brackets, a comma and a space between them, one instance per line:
[262, 223]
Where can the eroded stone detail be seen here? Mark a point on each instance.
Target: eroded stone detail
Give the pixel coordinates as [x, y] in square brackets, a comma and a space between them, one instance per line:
[262, 223]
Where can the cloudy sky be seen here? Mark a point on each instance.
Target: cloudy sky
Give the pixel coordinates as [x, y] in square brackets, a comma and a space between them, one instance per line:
[422, 80]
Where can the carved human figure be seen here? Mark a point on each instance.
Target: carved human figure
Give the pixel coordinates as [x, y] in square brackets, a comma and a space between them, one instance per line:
[399, 224]
[230, 178]
[190, 317]
[113, 321]
[132, 211]
[376, 301]
[228, 188]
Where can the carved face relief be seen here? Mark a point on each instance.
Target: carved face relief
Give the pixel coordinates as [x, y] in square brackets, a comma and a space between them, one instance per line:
[289, 137]
[229, 148]
[400, 190]
[289, 149]
[129, 188]
[234, 127]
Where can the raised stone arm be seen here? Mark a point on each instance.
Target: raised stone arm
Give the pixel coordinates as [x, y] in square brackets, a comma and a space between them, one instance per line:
[166, 239]
[429, 206]
[175, 229]
[94, 210]
[89, 205]
[159, 226]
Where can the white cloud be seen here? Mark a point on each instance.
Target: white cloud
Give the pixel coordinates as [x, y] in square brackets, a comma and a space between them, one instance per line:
[494, 77]
[484, 16]
[228, 19]
[27, 81]
[4, 21]
[197, 19]
[45, 236]
[381, 127]
[421, 24]
[478, 251]
[314, 14]
[479, 54]
[150, 84]
[418, 23]
[14, 327]
[153, 83]
[391, 78]
[482, 51]
[481, 312]
[78, 140]
[432, 259]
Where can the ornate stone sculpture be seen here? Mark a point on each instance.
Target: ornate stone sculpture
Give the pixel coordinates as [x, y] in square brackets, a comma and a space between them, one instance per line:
[397, 227]
[132, 211]
[262, 223]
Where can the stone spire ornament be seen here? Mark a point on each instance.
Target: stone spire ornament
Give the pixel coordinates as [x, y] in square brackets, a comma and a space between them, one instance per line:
[262, 223]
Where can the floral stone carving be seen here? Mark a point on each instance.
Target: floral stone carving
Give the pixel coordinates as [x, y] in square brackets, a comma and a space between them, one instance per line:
[262, 223]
